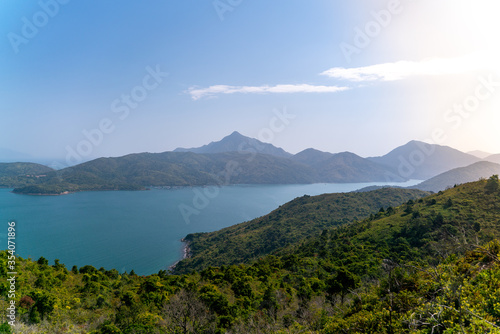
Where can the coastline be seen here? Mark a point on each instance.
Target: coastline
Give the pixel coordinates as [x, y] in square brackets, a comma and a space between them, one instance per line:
[186, 253]
[42, 194]
[186, 250]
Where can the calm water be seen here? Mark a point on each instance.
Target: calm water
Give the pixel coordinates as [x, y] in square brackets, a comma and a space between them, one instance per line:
[138, 230]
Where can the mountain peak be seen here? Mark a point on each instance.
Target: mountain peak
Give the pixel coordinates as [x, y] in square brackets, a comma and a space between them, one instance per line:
[420, 160]
[235, 134]
[237, 142]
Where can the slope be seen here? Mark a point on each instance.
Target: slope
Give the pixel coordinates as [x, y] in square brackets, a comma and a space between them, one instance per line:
[289, 224]
[480, 154]
[425, 231]
[481, 169]
[345, 167]
[493, 158]
[419, 160]
[18, 174]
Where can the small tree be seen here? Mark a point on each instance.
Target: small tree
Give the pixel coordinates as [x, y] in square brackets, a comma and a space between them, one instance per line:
[342, 283]
[492, 185]
[44, 305]
[5, 328]
[185, 313]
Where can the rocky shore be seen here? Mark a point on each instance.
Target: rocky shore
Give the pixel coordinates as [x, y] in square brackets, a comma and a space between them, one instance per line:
[186, 249]
[186, 253]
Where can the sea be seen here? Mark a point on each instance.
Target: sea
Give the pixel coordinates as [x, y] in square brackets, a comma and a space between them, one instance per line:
[138, 230]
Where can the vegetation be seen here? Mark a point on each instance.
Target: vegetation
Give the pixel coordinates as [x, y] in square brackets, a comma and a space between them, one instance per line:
[289, 224]
[138, 171]
[19, 174]
[430, 265]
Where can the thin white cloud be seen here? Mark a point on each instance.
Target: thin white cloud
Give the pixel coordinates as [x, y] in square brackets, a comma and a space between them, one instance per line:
[403, 69]
[198, 93]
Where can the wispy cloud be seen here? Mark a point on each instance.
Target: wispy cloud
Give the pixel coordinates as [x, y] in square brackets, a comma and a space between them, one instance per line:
[198, 93]
[403, 69]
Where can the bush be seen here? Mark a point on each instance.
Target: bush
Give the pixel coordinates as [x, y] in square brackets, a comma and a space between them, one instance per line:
[5, 328]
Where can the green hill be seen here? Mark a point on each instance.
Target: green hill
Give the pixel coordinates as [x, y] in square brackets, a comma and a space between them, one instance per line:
[290, 223]
[345, 167]
[138, 171]
[424, 231]
[18, 174]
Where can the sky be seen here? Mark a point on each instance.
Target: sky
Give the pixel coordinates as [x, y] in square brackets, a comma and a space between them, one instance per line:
[85, 79]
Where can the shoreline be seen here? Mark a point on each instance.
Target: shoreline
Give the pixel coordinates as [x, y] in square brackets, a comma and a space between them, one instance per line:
[186, 253]
[186, 250]
[42, 194]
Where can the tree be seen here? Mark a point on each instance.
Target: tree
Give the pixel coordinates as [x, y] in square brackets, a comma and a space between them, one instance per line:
[44, 303]
[5, 328]
[109, 328]
[42, 261]
[492, 185]
[26, 302]
[342, 283]
[186, 314]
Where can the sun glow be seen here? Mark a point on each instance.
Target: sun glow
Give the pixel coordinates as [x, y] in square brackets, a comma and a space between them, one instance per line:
[481, 16]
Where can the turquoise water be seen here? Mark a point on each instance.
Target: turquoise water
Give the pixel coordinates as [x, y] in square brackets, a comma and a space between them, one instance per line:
[138, 230]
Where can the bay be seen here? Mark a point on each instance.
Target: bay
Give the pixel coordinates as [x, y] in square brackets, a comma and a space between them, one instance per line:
[139, 230]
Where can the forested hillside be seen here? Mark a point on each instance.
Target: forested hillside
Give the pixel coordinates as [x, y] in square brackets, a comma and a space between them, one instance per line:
[428, 266]
[16, 174]
[291, 223]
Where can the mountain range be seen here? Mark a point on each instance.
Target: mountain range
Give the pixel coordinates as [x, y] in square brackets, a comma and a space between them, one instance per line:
[237, 159]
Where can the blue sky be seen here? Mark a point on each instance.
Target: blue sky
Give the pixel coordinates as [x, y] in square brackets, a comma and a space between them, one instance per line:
[108, 78]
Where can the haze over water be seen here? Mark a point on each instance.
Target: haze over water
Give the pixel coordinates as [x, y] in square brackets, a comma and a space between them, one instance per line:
[138, 230]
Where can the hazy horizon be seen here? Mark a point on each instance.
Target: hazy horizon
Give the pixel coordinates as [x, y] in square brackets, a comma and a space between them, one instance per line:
[61, 162]
[107, 80]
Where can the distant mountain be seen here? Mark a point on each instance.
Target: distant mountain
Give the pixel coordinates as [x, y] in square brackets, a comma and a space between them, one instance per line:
[311, 157]
[419, 160]
[236, 142]
[7, 155]
[350, 167]
[344, 167]
[493, 158]
[237, 159]
[22, 169]
[481, 169]
[137, 171]
[479, 154]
